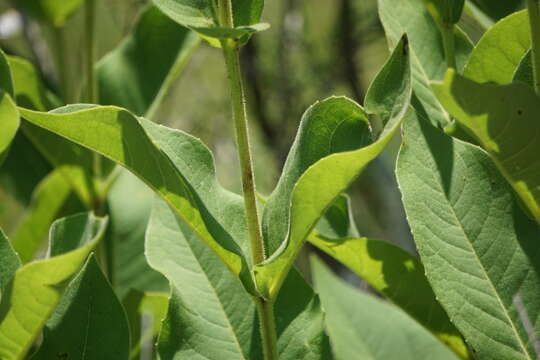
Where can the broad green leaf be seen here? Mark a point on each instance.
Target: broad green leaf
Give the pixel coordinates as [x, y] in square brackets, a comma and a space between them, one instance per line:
[9, 263]
[445, 12]
[204, 14]
[129, 205]
[89, 322]
[504, 120]
[133, 76]
[479, 250]
[427, 51]
[210, 315]
[176, 165]
[49, 200]
[363, 327]
[9, 123]
[330, 151]
[52, 12]
[499, 52]
[393, 272]
[142, 308]
[36, 288]
[75, 162]
[499, 9]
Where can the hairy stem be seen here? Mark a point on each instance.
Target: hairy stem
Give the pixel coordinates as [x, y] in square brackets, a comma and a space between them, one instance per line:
[449, 42]
[232, 61]
[534, 17]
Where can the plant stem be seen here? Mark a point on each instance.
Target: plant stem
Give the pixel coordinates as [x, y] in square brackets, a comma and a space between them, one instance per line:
[449, 42]
[534, 18]
[265, 308]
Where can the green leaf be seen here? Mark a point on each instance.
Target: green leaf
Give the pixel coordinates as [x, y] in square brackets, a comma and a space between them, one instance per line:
[6, 81]
[9, 123]
[445, 12]
[142, 308]
[363, 327]
[129, 205]
[330, 151]
[53, 12]
[49, 200]
[9, 264]
[498, 9]
[37, 287]
[504, 120]
[89, 322]
[132, 76]
[479, 250]
[499, 52]
[427, 50]
[393, 272]
[210, 315]
[524, 71]
[176, 165]
[204, 13]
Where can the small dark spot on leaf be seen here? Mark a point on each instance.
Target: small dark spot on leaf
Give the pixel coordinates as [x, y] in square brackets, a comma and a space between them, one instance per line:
[520, 112]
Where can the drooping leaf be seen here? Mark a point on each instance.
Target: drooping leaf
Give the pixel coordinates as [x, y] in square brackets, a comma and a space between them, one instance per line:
[50, 197]
[37, 287]
[52, 12]
[362, 327]
[445, 12]
[329, 152]
[134, 76]
[210, 315]
[176, 165]
[499, 52]
[427, 51]
[498, 9]
[504, 120]
[393, 272]
[129, 205]
[9, 263]
[9, 123]
[479, 250]
[89, 322]
[204, 15]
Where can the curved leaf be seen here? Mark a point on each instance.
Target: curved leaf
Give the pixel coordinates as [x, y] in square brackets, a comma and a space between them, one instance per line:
[328, 154]
[49, 199]
[504, 119]
[176, 165]
[9, 123]
[498, 9]
[427, 51]
[37, 287]
[204, 13]
[9, 264]
[132, 76]
[499, 52]
[362, 327]
[210, 315]
[479, 250]
[89, 322]
[445, 12]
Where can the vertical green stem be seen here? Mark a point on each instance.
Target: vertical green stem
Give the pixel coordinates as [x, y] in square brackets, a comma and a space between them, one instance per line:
[232, 60]
[534, 18]
[449, 42]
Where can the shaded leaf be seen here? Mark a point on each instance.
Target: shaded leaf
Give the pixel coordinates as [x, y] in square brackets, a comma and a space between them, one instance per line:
[427, 50]
[89, 322]
[132, 76]
[499, 52]
[479, 250]
[498, 9]
[176, 165]
[329, 152]
[362, 327]
[9, 264]
[445, 12]
[37, 287]
[504, 120]
[210, 315]
[52, 12]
